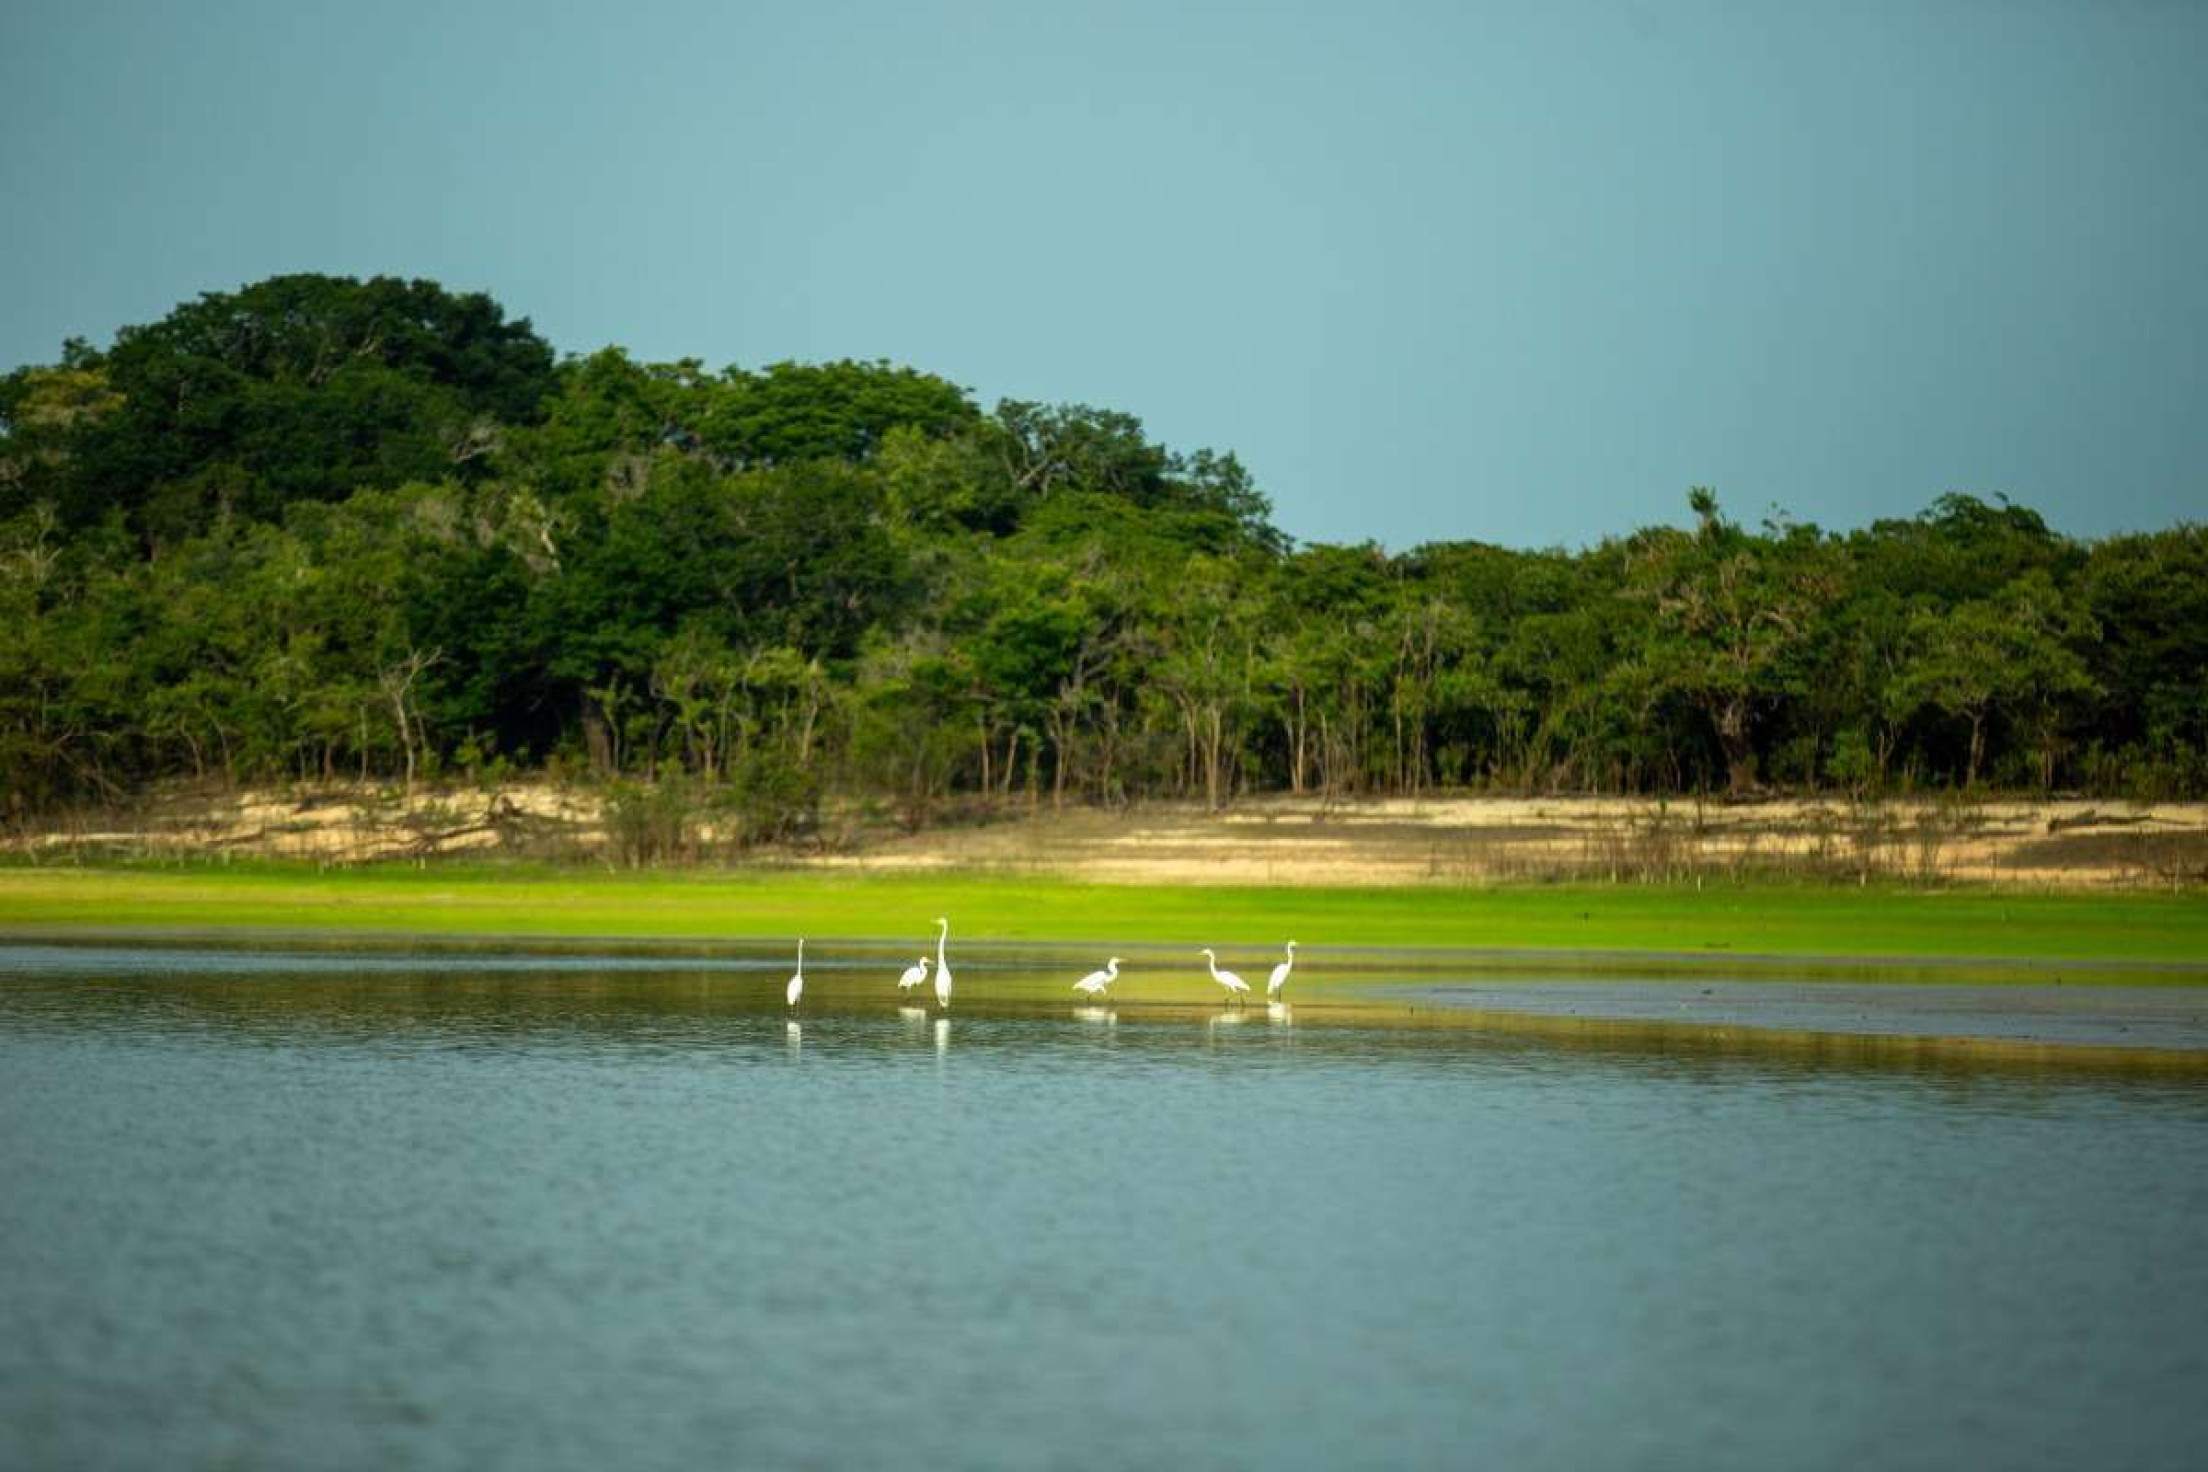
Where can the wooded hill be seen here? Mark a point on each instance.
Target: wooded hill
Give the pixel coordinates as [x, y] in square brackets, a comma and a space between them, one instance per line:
[320, 527]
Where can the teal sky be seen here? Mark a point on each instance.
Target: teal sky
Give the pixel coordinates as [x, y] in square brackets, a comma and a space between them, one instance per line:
[1518, 272]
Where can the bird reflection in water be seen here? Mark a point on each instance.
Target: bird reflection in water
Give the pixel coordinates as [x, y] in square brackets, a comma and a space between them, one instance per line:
[1100, 1016]
[913, 1016]
[1219, 1020]
[942, 1036]
[793, 1036]
[1278, 1014]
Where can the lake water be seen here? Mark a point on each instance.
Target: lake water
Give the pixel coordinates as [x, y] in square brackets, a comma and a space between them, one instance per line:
[508, 1212]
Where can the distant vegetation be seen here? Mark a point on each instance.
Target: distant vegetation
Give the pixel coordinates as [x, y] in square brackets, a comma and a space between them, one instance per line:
[323, 528]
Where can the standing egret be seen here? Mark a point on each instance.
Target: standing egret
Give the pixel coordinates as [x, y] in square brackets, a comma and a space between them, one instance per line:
[942, 964]
[913, 976]
[796, 988]
[1095, 982]
[1280, 974]
[1235, 985]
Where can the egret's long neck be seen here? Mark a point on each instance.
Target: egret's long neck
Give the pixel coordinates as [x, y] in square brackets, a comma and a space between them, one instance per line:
[941, 936]
[1213, 962]
[801, 953]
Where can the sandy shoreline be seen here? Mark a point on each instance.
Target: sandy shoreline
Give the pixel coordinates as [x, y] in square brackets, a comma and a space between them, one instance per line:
[1444, 840]
[1276, 840]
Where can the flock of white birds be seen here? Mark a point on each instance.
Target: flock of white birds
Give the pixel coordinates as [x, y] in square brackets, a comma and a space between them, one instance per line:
[1095, 984]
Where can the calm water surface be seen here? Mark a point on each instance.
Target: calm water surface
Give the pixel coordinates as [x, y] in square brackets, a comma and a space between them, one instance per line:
[270, 1212]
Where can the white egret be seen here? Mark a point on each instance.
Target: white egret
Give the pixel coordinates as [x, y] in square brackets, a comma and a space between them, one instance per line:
[913, 976]
[1235, 985]
[796, 988]
[942, 964]
[1280, 973]
[1095, 982]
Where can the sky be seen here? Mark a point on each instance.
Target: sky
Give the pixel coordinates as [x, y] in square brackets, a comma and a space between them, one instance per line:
[1516, 272]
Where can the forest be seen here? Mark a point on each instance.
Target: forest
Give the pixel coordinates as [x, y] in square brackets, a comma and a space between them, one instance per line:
[325, 529]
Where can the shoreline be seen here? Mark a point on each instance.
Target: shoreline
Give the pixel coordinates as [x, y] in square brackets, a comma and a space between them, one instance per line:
[1436, 839]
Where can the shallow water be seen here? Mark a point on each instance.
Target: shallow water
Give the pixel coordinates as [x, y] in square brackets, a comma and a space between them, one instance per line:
[2169, 1018]
[271, 1212]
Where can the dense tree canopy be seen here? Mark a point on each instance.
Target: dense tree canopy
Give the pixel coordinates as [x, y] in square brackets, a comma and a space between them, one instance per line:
[297, 388]
[322, 527]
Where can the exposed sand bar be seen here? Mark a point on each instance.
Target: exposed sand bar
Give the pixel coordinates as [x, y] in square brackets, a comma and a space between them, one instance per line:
[1290, 841]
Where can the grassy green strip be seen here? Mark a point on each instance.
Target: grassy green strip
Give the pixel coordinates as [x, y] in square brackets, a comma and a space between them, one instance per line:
[1755, 919]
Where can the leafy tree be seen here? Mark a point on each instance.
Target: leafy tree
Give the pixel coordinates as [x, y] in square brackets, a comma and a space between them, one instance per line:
[2009, 654]
[45, 412]
[2147, 595]
[793, 412]
[1731, 611]
[299, 388]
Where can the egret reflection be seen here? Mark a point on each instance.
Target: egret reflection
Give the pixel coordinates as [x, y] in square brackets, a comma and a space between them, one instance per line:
[942, 1036]
[793, 1036]
[1098, 1016]
[1278, 1014]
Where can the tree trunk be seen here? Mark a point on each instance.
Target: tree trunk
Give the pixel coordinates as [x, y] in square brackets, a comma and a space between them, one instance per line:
[406, 732]
[805, 731]
[1731, 720]
[1108, 756]
[1190, 764]
[1058, 741]
[597, 741]
[1212, 742]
